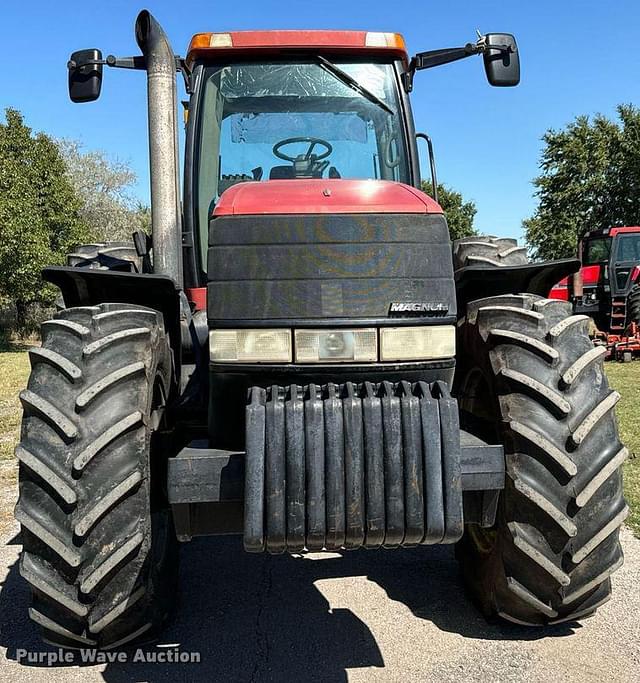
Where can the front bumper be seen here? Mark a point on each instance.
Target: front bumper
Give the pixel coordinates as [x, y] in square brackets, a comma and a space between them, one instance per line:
[229, 386]
[341, 466]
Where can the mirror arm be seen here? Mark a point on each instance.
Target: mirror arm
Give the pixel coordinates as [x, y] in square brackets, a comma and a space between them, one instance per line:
[185, 70]
[111, 60]
[427, 60]
[139, 63]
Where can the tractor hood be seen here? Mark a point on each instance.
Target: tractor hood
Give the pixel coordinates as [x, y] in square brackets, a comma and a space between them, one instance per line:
[318, 196]
[590, 275]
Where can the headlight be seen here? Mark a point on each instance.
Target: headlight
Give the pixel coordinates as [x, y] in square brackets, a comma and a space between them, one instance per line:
[250, 346]
[417, 343]
[332, 346]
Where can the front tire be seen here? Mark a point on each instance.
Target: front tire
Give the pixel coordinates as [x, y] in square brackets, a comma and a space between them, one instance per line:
[99, 549]
[530, 378]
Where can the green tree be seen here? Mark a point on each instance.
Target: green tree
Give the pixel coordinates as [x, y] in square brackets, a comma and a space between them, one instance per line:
[590, 179]
[459, 214]
[104, 186]
[39, 213]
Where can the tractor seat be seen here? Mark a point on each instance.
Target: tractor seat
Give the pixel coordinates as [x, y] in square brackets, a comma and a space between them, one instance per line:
[281, 173]
[289, 173]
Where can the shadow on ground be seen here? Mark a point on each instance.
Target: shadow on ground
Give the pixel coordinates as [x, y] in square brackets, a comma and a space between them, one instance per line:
[258, 617]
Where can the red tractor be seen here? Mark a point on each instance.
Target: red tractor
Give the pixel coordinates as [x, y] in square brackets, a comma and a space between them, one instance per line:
[297, 354]
[607, 289]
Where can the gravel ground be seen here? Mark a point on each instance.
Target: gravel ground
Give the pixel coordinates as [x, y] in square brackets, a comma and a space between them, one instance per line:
[365, 616]
[8, 495]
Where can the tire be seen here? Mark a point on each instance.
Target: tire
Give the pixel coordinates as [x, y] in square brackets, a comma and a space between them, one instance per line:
[120, 256]
[99, 548]
[531, 379]
[106, 256]
[488, 252]
[633, 305]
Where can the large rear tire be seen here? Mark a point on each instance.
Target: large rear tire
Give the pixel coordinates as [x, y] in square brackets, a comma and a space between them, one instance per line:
[633, 305]
[488, 252]
[106, 256]
[530, 378]
[99, 549]
[120, 256]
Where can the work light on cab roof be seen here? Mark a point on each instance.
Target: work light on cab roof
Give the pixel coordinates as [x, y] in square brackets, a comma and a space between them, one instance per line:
[288, 40]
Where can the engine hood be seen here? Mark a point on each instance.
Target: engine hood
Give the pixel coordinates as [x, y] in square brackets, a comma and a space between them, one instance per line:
[590, 275]
[318, 196]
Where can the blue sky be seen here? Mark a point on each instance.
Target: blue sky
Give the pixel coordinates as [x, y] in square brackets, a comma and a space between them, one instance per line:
[578, 56]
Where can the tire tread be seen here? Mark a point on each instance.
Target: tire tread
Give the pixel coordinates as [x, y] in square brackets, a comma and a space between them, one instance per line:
[556, 543]
[89, 548]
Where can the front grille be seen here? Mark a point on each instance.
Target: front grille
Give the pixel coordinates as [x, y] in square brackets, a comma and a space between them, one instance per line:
[313, 267]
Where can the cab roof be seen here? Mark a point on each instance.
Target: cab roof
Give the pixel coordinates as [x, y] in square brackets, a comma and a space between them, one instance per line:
[611, 232]
[273, 42]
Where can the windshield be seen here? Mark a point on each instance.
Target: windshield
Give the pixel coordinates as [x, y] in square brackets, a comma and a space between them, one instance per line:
[596, 251]
[629, 248]
[303, 120]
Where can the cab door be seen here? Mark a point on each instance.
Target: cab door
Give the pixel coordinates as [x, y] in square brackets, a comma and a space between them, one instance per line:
[626, 255]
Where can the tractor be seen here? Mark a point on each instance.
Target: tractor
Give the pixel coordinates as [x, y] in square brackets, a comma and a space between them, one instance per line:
[607, 289]
[298, 355]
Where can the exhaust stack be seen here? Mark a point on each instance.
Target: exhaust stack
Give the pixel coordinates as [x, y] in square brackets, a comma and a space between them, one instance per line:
[166, 216]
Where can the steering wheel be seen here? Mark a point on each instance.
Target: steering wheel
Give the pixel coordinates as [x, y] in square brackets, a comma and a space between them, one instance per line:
[307, 155]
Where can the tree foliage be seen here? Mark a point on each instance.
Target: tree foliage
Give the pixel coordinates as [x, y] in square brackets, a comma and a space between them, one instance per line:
[459, 213]
[590, 179]
[39, 212]
[104, 186]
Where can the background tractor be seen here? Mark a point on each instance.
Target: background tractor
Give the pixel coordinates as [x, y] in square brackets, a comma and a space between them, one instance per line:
[607, 289]
[297, 354]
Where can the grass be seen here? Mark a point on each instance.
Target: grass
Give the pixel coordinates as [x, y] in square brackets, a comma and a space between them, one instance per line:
[14, 371]
[624, 377]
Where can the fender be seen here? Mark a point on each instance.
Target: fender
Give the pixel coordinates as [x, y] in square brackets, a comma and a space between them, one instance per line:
[89, 287]
[477, 282]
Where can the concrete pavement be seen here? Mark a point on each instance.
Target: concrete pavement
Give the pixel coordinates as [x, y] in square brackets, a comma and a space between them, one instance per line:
[360, 616]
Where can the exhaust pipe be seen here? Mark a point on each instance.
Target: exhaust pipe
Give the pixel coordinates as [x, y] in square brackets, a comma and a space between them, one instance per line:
[166, 218]
[577, 283]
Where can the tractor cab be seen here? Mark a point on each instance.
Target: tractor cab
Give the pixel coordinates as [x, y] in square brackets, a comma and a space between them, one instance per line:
[624, 259]
[324, 105]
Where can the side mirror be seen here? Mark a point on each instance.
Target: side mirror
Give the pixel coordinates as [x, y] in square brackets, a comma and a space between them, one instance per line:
[501, 59]
[85, 75]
